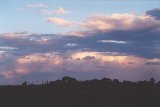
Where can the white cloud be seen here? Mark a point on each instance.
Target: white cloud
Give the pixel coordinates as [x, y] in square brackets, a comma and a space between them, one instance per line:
[71, 44]
[37, 5]
[7, 48]
[47, 12]
[60, 11]
[112, 41]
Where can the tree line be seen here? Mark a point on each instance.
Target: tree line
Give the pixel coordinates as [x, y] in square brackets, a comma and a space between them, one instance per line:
[104, 82]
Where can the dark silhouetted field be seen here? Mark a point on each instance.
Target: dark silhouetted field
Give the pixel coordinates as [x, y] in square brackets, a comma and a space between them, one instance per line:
[69, 92]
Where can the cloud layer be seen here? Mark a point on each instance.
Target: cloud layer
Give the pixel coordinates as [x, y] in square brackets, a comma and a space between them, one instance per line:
[123, 46]
[154, 13]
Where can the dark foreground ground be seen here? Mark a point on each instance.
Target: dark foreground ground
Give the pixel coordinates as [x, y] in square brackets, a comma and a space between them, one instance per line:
[82, 94]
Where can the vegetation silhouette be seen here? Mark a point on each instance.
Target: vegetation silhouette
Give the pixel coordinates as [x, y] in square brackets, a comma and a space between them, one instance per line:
[69, 92]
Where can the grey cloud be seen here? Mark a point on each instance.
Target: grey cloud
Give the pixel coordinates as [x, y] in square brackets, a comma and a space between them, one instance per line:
[143, 43]
[139, 43]
[152, 63]
[131, 63]
[154, 12]
[89, 57]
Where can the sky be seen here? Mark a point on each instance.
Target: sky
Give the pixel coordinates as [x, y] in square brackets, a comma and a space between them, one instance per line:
[46, 40]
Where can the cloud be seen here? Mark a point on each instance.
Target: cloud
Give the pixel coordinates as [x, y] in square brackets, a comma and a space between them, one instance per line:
[33, 63]
[119, 22]
[37, 5]
[60, 21]
[154, 13]
[7, 74]
[123, 46]
[6, 48]
[103, 57]
[14, 35]
[152, 63]
[108, 23]
[109, 33]
[44, 9]
[89, 57]
[96, 64]
[127, 42]
[60, 11]
[71, 44]
[75, 33]
[112, 41]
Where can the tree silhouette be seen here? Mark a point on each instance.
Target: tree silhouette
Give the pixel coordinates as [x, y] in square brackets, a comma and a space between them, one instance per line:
[68, 79]
[152, 81]
[24, 83]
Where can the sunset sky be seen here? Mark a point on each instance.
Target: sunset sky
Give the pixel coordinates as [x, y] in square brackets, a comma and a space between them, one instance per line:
[84, 39]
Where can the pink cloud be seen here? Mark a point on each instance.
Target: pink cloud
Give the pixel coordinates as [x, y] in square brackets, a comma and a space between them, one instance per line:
[60, 21]
[119, 22]
[60, 11]
[113, 66]
[7, 74]
[106, 23]
[15, 35]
